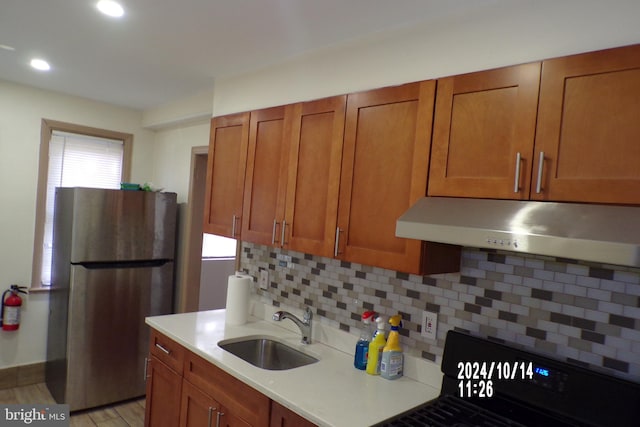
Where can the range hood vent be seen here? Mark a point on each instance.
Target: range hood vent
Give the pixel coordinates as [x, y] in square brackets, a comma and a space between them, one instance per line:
[599, 233]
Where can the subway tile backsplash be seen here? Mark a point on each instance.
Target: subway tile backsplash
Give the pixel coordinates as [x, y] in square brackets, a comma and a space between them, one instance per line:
[584, 312]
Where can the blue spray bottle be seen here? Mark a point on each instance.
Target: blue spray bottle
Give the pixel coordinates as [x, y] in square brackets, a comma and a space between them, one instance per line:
[362, 346]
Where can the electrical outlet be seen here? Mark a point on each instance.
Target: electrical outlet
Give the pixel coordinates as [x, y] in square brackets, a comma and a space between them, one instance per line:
[429, 325]
[263, 279]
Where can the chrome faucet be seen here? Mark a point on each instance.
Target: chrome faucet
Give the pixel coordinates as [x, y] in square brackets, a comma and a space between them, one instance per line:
[304, 324]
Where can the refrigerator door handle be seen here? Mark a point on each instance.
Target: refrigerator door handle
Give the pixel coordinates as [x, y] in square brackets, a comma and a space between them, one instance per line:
[122, 264]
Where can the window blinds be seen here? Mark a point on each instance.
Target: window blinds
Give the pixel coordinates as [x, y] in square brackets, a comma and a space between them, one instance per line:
[77, 161]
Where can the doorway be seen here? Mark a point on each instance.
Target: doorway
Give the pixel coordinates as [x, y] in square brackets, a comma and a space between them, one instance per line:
[189, 280]
[203, 283]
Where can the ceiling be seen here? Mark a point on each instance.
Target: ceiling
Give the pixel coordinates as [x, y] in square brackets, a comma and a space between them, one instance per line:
[164, 50]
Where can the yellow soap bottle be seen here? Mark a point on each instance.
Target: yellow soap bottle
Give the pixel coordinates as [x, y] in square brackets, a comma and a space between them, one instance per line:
[375, 348]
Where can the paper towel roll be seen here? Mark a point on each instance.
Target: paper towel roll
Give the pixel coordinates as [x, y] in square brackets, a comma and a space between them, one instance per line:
[238, 289]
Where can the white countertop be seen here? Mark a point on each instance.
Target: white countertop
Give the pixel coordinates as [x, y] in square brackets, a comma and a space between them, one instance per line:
[330, 392]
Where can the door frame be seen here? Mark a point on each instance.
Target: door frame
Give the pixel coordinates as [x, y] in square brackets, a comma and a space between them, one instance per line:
[189, 295]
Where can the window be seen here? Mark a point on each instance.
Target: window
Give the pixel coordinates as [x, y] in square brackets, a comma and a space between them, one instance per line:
[73, 156]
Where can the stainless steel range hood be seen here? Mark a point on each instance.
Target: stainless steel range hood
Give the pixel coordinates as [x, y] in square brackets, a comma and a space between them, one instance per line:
[600, 233]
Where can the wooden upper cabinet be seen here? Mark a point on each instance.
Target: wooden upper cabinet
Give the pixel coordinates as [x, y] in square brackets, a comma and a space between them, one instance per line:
[266, 177]
[225, 174]
[483, 136]
[315, 130]
[588, 130]
[384, 170]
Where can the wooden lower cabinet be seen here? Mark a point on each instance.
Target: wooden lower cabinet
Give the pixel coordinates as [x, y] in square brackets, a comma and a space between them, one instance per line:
[283, 417]
[240, 401]
[198, 409]
[201, 394]
[164, 386]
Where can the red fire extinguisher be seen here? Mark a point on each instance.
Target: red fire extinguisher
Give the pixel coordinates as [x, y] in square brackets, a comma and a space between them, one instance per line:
[10, 309]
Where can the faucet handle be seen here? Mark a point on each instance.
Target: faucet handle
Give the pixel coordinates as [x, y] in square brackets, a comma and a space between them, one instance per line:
[308, 315]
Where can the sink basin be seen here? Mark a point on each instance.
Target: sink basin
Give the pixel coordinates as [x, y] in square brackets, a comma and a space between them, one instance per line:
[266, 353]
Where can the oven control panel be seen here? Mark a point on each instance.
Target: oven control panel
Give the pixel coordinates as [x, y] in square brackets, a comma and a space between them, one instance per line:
[549, 378]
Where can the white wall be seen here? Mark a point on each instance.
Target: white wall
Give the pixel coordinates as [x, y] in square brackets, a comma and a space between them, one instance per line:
[525, 31]
[21, 111]
[181, 112]
[172, 156]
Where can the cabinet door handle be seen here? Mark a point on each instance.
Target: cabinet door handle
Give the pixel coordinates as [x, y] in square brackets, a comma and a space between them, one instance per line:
[218, 415]
[211, 409]
[233, 226]
[282, 235]
[164, 350]
[273, 232]
[540, 167]
[337, 244]
[146, 365]
[516, 183]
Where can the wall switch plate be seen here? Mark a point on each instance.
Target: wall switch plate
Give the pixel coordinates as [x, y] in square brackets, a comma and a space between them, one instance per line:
[263, 279]
[429, 325]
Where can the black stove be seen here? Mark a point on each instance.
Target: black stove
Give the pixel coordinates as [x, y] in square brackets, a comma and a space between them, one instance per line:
[487, 383]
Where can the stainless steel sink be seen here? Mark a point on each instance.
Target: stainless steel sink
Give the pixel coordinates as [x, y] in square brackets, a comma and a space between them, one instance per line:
[266, 353]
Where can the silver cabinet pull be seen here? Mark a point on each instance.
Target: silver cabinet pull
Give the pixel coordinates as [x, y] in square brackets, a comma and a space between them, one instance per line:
[146, 365]
[273, 232]
[282, 235]
[211, 409]
[218, 415]
[164, 350]
[233, 225]
[516, 184]
[540, 167]
[337, 244]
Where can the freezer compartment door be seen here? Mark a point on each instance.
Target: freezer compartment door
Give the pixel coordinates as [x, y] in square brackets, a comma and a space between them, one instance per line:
[114, 225]
[107, 337]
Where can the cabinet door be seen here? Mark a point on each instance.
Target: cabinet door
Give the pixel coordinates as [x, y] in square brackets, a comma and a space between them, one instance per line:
[228, 419]
[283, 417]
[164, 386]
[384, 171]
[589, 128]
[225, 174]
[197, 408]
[265, 183]
[483, 133]
[200, 410]
[239, 401]
[316, 132]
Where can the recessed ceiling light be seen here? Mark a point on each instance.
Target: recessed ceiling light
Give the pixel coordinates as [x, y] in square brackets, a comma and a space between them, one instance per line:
[110, 8]
[40, 64]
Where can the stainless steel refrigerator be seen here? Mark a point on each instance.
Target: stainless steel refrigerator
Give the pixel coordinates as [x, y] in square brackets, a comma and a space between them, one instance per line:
[112, 266]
